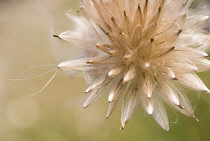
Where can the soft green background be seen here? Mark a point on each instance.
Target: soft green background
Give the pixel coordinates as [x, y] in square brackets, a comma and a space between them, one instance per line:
[56, 114]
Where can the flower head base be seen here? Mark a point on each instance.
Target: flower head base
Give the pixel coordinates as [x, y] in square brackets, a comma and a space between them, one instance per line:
[140, 51]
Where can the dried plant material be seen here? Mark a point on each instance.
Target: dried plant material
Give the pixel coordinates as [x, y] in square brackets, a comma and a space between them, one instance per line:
[140, 51]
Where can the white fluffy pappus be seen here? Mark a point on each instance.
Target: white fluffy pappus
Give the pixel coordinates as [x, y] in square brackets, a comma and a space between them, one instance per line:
[140, 51]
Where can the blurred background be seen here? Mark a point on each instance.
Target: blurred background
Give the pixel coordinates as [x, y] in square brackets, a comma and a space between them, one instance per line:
[56, 114]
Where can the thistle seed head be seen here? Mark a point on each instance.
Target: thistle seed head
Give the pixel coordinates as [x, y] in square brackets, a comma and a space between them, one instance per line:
[140, 51]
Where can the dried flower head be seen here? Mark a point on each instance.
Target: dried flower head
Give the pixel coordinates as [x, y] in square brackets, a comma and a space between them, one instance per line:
[140, 51]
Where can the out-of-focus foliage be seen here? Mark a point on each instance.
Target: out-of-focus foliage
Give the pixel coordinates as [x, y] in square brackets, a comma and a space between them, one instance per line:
[56, 114]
